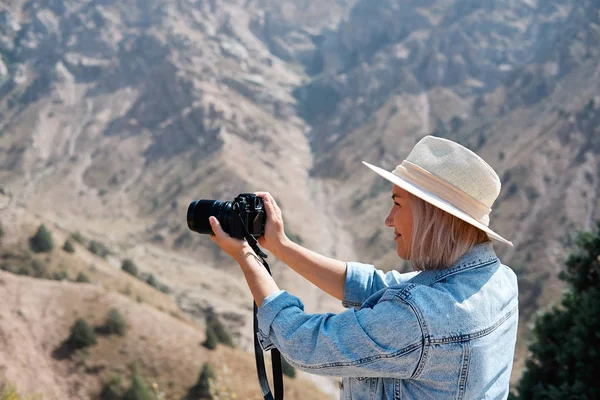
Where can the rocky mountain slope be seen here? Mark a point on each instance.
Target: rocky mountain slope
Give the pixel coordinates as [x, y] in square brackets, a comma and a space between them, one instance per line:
[115, 115]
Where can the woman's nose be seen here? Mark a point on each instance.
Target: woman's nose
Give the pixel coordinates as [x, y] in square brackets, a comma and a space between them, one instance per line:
[389, 221]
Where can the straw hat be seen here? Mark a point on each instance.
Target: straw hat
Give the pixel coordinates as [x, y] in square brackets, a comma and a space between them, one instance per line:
[450, 177]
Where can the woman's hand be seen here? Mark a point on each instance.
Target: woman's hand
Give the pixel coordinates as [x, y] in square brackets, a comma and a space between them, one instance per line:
[234, 247]
[259, 280]
[274, 237]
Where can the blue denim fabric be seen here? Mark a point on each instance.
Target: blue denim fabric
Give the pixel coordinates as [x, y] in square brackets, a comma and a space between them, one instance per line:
[446, 334]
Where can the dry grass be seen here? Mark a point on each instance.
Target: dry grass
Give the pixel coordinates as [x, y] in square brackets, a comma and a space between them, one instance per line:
[162, 340]
[37, 315]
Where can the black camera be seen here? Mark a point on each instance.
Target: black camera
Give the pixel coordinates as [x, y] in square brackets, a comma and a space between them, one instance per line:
[245, 214]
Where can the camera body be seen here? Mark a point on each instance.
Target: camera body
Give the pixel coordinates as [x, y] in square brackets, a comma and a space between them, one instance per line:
[246, 211]
[252, 215]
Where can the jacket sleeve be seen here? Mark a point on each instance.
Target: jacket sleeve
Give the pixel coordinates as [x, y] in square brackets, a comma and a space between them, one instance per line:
[385, 340]
[363, 280]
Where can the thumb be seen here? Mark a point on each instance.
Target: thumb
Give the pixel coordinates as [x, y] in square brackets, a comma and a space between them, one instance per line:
[216, 226]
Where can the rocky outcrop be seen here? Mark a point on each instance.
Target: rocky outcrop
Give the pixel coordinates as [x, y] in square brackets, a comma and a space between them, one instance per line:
[469, 47]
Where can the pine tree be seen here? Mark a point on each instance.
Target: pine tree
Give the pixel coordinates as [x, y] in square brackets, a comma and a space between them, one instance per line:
[138, 389]
[565, 359]
[129, 267]
[68, 246]
[98, 248]
[201, 390]
[151, 280]
[112, 389]
[211, 339]
[115, 323]
[42, 240]
[82, 335]
[82, 278]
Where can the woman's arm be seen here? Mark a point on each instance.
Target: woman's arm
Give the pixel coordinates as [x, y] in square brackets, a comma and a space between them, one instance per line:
[326, 273]
[383, 341]
[259, 280]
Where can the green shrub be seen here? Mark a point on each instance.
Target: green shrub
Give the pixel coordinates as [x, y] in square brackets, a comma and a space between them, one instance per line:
[82, 335]
[28, 267]
[98, 248]
[37, 269]
[287, 368]
[138, 389]
[82, 278]
[211, 339]
[129, 267]
[223, 335]
[42, 240]
[115, 323]
[78, 238]
[164, 288]
[60, 275]
[112, 389]
[68, 247]
[151, 280]
[155, 283]
[201, 390]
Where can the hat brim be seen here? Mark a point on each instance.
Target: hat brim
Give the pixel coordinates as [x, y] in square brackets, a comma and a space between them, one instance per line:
[436, 201]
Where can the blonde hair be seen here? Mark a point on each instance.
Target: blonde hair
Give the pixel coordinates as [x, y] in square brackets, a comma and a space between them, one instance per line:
[439, 239]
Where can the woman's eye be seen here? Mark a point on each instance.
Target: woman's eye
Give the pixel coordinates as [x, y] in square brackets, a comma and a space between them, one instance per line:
[397, 204]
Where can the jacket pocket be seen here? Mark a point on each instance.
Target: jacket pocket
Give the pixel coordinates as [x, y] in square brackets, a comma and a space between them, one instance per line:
[362, 388]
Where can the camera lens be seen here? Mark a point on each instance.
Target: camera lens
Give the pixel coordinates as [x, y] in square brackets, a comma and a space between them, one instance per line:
[200, 210]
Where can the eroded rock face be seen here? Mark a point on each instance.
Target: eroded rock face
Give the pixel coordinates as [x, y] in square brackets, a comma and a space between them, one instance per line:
[469, 47]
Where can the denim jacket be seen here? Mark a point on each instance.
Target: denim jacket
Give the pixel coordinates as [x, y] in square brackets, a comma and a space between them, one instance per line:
[446, 334]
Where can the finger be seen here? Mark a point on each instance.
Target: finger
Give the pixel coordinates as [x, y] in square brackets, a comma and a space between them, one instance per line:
[269, 202]
[273, 210]
[216, 227]
[278, 209]
[275, 206]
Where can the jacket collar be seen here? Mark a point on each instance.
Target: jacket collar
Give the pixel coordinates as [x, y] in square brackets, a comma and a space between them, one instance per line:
[480, 255]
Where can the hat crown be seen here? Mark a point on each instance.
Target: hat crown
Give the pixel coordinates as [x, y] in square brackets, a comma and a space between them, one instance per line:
[457, 166]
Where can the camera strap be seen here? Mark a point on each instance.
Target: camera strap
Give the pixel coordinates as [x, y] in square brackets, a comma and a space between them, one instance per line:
[258, 351]
[260, 361]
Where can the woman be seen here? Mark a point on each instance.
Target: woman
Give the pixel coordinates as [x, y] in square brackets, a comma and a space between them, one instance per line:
[446, 331]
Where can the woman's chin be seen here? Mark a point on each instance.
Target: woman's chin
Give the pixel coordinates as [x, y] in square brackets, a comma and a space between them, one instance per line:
[401, 253]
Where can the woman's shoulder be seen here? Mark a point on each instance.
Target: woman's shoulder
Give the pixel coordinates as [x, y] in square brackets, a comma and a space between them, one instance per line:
[471, 301]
